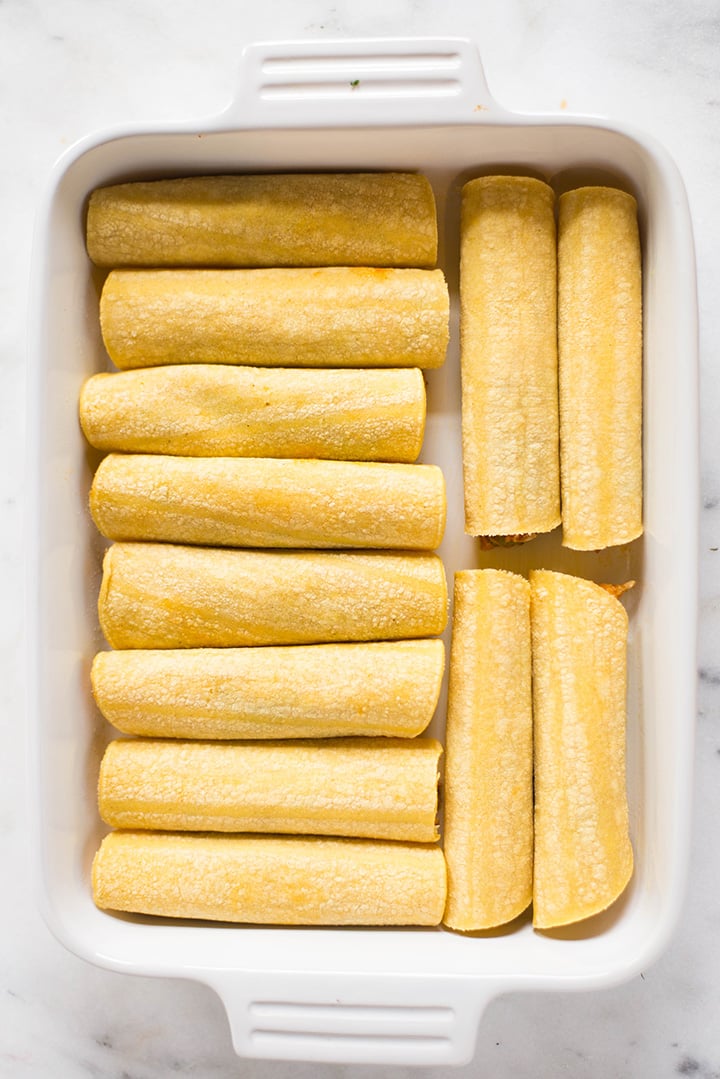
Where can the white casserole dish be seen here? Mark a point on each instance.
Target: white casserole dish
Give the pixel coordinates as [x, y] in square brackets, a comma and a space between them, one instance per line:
[410, 996]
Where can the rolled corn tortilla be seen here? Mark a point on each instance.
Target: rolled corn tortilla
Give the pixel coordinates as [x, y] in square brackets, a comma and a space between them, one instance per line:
[263, 502]
[488, 829]
[300, 219]
[583, 856]
[509, 357]
[170, 596]
[388, 688]
[366, 787]
[206, 410]
[285, 880]
[600, 356]
[330, 316]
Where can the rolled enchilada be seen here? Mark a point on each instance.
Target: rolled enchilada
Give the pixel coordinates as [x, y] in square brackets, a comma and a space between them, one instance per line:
[600, 363]
[583, 856]
[264, 502]
[156, 595]
[214, 410]
[488, 831]
[285, 880]
[328, 316]
[508, 345]
[386, 688]
[292, 219]
[366, 787]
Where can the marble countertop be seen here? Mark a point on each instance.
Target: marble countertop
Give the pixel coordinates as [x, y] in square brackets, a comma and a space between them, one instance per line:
[72, 67]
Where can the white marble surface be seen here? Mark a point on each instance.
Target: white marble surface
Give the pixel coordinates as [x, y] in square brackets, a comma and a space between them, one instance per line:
[69, 67]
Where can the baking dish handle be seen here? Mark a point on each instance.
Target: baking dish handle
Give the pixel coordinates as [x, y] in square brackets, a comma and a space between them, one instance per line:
[382, 81]
[412, 1020]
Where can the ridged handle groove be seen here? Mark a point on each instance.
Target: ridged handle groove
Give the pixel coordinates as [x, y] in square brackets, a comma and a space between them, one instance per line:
[385, 81]
[347, 1019]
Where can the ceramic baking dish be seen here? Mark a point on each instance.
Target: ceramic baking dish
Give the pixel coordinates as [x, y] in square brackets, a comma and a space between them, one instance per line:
[410, 996]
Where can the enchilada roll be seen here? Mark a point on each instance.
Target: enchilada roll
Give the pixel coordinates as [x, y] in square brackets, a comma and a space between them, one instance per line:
[263, 502]
[280, 880]
[600, 356]
[509, 357]
[488, 831]
[295, 219]
[213, 410]
[583, 855]
[328, 316]
[156, 595]
[388, 688]
[366, 787]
